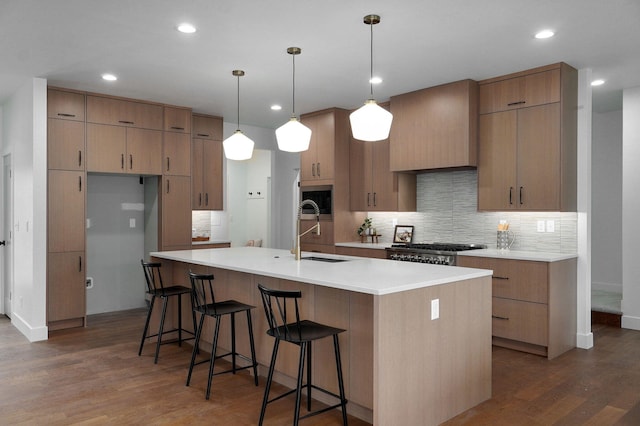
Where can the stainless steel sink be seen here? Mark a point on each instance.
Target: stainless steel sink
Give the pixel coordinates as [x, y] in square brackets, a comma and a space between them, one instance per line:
[323, 259]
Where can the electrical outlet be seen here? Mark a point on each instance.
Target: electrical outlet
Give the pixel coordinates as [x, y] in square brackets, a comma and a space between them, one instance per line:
[435, 309]
[394, 221]
[551, 225]
[132, 222]
[541, 226]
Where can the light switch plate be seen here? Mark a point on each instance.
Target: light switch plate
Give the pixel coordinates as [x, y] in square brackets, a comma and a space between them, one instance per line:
[551, 225]
[435, 309]
[541, 226]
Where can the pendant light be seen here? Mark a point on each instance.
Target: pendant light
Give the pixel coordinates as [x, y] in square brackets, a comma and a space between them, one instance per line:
[238, 146]
[293, 136]
[371, 122]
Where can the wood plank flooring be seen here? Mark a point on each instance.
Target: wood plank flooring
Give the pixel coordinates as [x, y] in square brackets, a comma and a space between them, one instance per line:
[93, 375]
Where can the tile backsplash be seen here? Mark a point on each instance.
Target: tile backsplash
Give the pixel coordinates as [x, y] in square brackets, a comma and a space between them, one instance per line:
[447, 212]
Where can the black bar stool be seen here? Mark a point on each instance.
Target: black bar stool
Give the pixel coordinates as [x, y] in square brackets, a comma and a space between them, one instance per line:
[287, 326]
[205, 303]
[156, 288]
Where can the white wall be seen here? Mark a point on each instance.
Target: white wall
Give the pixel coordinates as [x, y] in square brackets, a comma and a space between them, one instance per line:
[25, 137]
[606, 263]
[630, 208]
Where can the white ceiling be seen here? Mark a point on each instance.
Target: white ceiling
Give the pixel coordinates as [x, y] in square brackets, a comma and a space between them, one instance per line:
[419, 43]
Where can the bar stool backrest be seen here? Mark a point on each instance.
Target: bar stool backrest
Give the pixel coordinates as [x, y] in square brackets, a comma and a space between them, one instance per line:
[204, 299]
[278, 304]
[152, 276]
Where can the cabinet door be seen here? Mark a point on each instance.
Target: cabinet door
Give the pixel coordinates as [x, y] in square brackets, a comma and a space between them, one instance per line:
[144, 151]
[520, 92]
[65, 105]
[384, 183]
[106, 148]
[122, 112]
[539, 157]
[197, 199]
[177, 154]
[212, 175]
[325, 145]
[66, 210]
[65, 286]
[497, 161]
[65, 144]
[177, 120]
[176, 213]
[309, 158]
[360, 174]
[207, 127]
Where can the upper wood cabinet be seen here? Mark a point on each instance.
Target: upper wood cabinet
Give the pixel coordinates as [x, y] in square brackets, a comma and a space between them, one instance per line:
[177, 119]
[65, 105]
[435, 128]
[65, 144]
[328, 128]
[207, 127]
[520, 91]
[177, 154]
[175, 214]
[527, 155]
[66, 210]
[121, 112]
[373, 187]
[116, 149]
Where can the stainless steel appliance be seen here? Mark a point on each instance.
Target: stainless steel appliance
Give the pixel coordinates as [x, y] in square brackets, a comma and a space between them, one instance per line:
[322, 196]
[433, 253]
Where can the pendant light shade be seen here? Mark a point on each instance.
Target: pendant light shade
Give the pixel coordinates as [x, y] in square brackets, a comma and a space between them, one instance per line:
[371, 122]
[238, 146]
[293, 136]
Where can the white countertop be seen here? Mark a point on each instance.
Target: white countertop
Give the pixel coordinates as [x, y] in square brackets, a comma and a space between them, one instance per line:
[536, 256]
[359, 274]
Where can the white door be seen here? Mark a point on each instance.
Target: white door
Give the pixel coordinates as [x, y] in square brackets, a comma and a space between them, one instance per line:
[6, 250]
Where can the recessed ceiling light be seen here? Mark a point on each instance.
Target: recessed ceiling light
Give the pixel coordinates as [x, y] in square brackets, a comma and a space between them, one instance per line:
[598, 82]
[545, 34]
[276, 107]
[186, 28]
[109, 77]
[375, 80]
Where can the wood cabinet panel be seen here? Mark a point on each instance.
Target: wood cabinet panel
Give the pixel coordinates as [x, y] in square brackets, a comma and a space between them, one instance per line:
[65, 105]
[525, 91]
[522, 321]
[326, 232]
[144, 151]
[177, 154]
[207, 179]
[65, 144]
[66, 286]
[177, 119]
[175, 199]
[106, 148]
[207, 127]
[362, 252]
[122, 112]
[318, 162]
[66, 210]
[435, 128]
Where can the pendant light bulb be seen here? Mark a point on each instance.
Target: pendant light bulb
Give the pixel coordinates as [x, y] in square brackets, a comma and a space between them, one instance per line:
[293, 136]
[238, 146]
[371, 122]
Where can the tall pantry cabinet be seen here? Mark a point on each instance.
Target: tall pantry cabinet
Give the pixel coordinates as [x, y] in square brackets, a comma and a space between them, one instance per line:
[66, 206]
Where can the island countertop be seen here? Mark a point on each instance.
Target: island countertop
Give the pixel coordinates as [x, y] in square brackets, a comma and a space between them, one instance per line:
[363, 275]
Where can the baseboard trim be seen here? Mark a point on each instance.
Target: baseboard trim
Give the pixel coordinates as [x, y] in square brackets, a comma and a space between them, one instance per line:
[632, 323]
[584, 341]
[32, 334]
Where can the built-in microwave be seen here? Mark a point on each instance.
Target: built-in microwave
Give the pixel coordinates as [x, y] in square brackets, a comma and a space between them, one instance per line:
[321, 195]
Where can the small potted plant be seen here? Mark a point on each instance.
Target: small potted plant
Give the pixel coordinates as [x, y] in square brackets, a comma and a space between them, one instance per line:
[365, 228]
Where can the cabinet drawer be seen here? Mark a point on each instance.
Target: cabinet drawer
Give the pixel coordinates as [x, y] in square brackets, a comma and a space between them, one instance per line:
[177, 120]
[514, 279]
[521, 321]
[207, 127]
[326, 232]
[65, 105]
[124, 113]
[520, 92]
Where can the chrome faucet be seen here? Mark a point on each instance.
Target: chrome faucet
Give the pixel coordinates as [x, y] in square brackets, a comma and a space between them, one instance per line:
[316, 210]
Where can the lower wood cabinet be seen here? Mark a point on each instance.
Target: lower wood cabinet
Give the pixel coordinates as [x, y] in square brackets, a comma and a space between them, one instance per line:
[66, 300]
[362, 252]
[534, 303]
[175, 228]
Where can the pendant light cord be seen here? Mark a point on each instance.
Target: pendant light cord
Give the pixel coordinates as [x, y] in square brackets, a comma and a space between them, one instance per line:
[238, 102]
[293, 89]
[371, 62]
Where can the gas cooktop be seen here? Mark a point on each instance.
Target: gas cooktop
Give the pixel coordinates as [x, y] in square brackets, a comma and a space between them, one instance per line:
[439, 246]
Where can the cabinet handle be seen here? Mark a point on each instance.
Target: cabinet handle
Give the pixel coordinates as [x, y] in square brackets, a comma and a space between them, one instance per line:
[516, 103]
[511, 195]
[122, 161]
[168, 164]
[500, 318]
[206, 199]
[79, 183]
[167, 186]
[521, 196]
[313, 169]
[125, 122]
[204, 135]
[318, 169]
[130, 161]
[375, 203]
[200, 199]
[496, 277]
[62, 114]
[368, 199]
[79, 158]
[177, 128]
[79, 263]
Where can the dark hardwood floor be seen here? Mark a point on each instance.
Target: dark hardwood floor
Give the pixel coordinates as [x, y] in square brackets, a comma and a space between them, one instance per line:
[93, 375]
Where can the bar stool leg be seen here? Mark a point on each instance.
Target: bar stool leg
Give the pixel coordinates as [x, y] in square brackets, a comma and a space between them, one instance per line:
[233, 343]
[180, 320]
[213, 355]
[309, 376]
[253, 348]
[272, 366]
[303, 350]
[164, 313]
[336, 347]
[146, 325]
[195, 347]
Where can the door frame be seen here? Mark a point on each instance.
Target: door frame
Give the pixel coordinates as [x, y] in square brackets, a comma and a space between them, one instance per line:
[6, 256]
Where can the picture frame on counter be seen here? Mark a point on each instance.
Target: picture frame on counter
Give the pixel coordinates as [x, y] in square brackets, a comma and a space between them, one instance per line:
[403, 234]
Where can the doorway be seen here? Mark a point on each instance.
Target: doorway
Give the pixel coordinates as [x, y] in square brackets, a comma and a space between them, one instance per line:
[6, 289]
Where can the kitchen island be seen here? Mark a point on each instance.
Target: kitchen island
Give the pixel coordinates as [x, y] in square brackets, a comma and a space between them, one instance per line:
[400, 365]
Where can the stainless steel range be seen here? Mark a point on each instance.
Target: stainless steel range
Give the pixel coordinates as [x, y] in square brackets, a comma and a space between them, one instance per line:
[434, 253]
